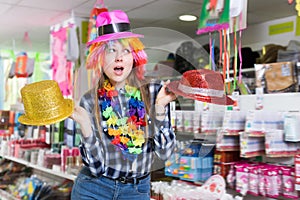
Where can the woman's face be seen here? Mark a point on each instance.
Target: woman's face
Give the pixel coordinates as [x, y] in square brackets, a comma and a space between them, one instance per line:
[118, 63]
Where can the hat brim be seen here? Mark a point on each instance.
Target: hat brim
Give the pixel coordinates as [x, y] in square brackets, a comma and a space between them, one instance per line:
[225, 100]
[114, 36]
[68, 106]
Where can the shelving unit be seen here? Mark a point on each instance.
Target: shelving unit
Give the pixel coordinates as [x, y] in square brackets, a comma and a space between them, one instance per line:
[6, 196]
[43, 169]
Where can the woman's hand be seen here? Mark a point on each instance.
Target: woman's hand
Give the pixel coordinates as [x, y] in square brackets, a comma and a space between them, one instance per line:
[164, 97]
[81, 116]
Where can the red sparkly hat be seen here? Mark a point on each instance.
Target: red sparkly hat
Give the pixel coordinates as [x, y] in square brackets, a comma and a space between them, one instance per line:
[202, 85]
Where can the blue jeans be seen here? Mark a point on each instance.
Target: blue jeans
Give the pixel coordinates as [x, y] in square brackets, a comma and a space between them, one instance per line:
[87, 187]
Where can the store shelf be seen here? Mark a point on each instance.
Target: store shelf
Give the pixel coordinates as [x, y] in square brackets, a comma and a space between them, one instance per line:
[43, 169]
[228, 148]
[6, 196]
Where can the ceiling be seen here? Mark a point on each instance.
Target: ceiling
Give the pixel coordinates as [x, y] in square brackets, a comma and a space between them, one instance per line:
[36, 16]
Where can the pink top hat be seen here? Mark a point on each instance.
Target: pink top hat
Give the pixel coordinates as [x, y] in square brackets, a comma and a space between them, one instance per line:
[113, 25]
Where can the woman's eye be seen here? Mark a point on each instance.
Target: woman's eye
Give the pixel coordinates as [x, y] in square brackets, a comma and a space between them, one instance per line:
[111, 50]
[127, 50]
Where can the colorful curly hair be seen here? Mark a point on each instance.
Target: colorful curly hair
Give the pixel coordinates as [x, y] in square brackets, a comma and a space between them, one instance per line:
[96, 51]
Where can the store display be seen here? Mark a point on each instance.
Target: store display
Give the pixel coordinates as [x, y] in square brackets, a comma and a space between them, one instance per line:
[240, 135]
[292, 127]
[211, 121]
[260, 179]
[4, 120]
[214, 16]
[23, 66]
[281, 77]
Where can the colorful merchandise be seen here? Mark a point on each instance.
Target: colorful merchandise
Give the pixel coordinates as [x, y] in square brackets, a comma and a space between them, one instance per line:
[202, 85]
[44, 104]
[62, 69]
[214, 16]
[22, 67]
[92, 29]
[126, 131]
[4, 120]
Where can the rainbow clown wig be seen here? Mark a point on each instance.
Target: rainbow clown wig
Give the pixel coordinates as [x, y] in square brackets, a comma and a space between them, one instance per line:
[96, 52]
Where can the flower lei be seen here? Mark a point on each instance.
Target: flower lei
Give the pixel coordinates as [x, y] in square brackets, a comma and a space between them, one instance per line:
[126, 131]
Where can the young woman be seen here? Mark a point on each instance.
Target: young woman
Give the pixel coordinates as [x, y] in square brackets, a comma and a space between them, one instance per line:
[125, 120]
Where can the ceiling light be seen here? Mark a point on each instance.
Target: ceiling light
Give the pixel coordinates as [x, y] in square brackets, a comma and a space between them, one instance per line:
[187, 18]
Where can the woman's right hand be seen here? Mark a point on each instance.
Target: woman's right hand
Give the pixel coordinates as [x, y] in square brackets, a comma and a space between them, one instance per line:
[81, 116]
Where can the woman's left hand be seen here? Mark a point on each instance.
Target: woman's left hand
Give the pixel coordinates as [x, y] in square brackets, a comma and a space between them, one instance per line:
[164, 96]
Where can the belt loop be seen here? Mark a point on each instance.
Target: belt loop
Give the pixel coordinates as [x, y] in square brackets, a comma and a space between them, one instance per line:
[136, 181]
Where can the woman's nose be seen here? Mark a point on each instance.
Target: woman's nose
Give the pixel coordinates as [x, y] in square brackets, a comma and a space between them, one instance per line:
[119, 57]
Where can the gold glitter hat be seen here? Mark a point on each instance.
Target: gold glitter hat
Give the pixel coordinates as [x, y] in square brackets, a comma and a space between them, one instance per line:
[44, 104]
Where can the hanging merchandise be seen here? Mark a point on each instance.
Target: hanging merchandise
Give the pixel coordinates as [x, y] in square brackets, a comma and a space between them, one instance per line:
[224, 16]
[72, 44]
[238, 15]
[62, 68]
[22, 67]
[238, 11]
[98, 8]
[92, 29]
[26, 40]
[214, 16]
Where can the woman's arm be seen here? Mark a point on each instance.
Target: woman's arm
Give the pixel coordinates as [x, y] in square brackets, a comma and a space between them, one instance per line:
[164, 136]
[91, 146]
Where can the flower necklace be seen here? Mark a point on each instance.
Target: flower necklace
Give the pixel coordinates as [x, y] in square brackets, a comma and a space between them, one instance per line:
[126, 131]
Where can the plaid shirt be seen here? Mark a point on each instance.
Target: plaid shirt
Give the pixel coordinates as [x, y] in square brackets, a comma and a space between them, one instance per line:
[103, 158]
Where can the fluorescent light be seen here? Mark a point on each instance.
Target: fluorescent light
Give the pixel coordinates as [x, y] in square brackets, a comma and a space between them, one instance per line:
[187, 18]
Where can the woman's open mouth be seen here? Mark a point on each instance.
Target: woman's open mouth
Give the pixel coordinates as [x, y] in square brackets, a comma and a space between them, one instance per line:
[119, 70]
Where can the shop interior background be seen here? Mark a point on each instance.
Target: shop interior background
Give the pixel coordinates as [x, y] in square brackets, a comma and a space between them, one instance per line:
[21, 19]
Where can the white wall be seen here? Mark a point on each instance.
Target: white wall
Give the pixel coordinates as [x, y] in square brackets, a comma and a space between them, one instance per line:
[257, 36]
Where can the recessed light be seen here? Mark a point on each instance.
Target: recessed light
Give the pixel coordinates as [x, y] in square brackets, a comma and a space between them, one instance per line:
[187, 18]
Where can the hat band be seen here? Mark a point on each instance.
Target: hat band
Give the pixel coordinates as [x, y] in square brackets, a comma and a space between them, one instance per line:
[113, 28]
[201, 91]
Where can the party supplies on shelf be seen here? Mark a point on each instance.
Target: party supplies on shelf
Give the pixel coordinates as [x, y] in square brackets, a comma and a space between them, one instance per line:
[297, 171]
[276, 146]
[225, 142]
[288, 180]
[251, 146]
[292, 126]
[234, 121]
[172, 165]
[211, 121]
[195, 168]
[260, 121]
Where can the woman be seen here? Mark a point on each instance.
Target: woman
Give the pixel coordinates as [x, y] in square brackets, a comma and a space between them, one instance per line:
[124, 121]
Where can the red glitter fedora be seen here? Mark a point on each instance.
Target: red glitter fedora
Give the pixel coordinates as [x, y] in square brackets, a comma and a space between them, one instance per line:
[202, 85]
